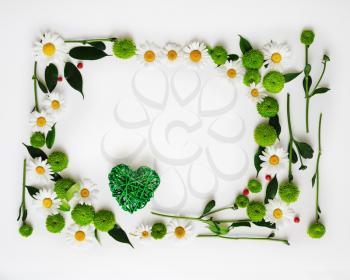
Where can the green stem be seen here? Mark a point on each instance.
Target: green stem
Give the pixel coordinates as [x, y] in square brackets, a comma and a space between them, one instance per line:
[291, 140]
[217, 210]
[35, 79]
[319, 80]
[245, 238]
[317, 165]
[23, 203]
[232, 221]
[84, 42]
[307, 89]
[176, 217]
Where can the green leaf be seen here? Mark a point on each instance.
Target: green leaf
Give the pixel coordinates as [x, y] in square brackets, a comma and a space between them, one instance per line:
[294, 154]
[32, 191]
[313, 179]
[72, 190]
[257, 160]
[73, 77]
[98, 45]
[309, 82]
[56, 177]
[50, 137]
[51, 76]
[275, 122]
[218, 229]
[291, 76]
[64, 206]
[318, 209]
[304, 149]
[42, 86]
[240, 224]
[320, 90]
[210, 205]
[35, 152]
[96, 236]
[271, 189]
[119, 234]
[271, 235]
[87, 53]
[244, 45]
[263, 223]
[232, 57]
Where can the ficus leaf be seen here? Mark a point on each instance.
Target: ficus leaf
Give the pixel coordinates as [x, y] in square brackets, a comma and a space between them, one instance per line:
[304, 149]
[257, 160]
[42, 86]
[73, 77]
[271, 189]
[244, 44]
[263, 223]
[291, 76]
[275, 122]
[51, 76]
[98, 45]
[50, 137]
[119, 234]
[232, 57]
[87, 53]
[210, 205]
[35, 152]
[32, 191]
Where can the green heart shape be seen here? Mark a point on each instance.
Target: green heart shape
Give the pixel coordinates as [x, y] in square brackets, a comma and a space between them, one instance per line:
[133, 189]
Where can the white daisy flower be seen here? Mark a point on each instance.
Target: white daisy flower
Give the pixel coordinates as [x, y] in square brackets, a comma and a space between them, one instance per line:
[232, 70]
[180, 231]
[143, 232]
[54, 103]
[80, 235]
[256, 92]
[87, 193]
[276, 55]
[47, 201]
[51, 48]
[171, 54]
[39, 171]
[274, 159]
[279, 213]
[148, 53]
[196, 54]
[41, 121]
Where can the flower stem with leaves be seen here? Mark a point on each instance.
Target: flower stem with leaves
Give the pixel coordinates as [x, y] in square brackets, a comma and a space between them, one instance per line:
[22, 208]
[35, 80]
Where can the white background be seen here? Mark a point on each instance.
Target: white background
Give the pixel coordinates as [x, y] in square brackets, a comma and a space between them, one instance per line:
[46, 256]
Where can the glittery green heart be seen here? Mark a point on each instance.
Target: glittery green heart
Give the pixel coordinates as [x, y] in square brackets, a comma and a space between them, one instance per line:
[132, 189]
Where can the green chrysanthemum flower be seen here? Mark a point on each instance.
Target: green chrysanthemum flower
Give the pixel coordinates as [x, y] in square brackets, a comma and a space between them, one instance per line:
[316, 230]
[218, 55]
[58, 161]
[242, 201]
[25, 230]
[256, 211]
[273, 82]
[158, 230]
[307, 37]
[265, 135]
[251, 76]
[104, 220]
[37, 140]
[254, 186]
[124, 48]
[253, 59]
[289, 192]
[62, 186]
[55, 223]
[268, 108]
[83, 214]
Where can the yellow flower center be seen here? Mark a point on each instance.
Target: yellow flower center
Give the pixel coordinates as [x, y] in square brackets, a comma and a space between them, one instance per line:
[145, 234]
[274, 160]
[231, 73]
[47, 202]
[84, 192]
[172, 55]
[277, 213]
[276, 57]
[55, 104]
[49, 49]
[41, 121]
[195, 55]
[149, 56]
[40, 170]
[254, 92]
[180, 232]
[79, 236]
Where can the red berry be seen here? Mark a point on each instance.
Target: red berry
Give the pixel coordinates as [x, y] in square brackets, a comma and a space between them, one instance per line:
[296, 220]
[60, 79]
[268, 177]
[245, 192]
[80, 65]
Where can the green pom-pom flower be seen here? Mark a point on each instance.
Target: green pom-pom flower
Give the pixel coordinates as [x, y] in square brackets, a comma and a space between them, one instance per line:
[265, 135]
[124, 48]
[158, 230]
[253, 59]
[58, 161]
[254, 186]
[251, 76]
[62, 186]
[316, 230]
[37, 140]
[268, 108]
[256, 211]
[104, 220]
[55, 223]
[25, 230]
[218, 55]
[289, 192]
[242, 201]
[83, 214]
[307, 37]
[273, 82]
